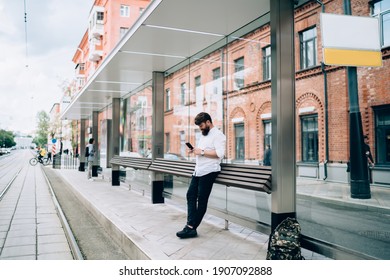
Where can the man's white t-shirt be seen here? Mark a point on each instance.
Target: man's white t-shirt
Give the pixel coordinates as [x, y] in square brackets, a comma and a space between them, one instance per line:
[215, 140]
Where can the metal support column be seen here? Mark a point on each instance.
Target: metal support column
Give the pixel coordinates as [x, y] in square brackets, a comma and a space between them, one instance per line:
[115, 141]
[158, 134]
[283, 111]
[82, 145]
[95, 135]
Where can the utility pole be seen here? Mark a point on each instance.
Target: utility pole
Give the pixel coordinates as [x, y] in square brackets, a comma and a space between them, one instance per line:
[360, 185]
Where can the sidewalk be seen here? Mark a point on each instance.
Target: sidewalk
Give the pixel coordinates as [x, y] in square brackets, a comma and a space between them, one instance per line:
[148, 231]
[340, 193]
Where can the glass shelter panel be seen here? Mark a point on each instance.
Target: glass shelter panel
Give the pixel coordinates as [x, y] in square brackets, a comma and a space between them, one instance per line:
[222, 80]
[136, 135]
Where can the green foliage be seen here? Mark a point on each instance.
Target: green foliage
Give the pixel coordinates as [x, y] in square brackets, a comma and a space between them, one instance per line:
[42, 128]
[6, 139]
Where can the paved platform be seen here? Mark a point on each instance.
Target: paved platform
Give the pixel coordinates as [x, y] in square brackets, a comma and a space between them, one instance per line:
[148, 231]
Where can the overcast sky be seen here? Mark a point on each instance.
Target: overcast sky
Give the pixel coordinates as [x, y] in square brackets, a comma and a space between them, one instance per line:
[31, 83]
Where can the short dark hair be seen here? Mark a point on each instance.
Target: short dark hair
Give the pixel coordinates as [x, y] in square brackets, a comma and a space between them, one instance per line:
[202, 117]
[91, 141]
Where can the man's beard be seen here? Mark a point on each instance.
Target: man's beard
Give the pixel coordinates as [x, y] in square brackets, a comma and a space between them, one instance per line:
[206, 130]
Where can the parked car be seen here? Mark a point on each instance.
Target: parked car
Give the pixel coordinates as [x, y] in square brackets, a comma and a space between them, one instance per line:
[171, 156]
[130, 154]
[4, 151]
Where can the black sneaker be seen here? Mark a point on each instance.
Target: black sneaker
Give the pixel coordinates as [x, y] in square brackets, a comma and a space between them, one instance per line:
[187, 232]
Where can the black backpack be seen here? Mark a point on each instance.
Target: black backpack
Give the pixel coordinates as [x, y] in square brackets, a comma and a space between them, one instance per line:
[86, 152]
[284, 242]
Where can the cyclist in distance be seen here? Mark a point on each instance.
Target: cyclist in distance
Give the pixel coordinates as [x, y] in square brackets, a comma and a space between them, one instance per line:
[41, 154]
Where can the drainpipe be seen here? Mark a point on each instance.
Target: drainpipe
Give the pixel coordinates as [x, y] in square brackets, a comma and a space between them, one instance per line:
[322, 5]
[326, 121]
[326, 107]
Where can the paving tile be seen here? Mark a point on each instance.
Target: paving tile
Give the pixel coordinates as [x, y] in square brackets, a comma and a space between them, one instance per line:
[18, 251]
[56, 256]
[50, 230]
[28, 257]
[54, 238]
[20, 233]
[46, 248]
[20, 241]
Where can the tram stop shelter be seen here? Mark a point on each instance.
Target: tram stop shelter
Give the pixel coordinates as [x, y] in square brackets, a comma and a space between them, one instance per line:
[165, 36]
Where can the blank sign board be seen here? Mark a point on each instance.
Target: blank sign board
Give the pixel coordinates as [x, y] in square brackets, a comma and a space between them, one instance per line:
[350, 40]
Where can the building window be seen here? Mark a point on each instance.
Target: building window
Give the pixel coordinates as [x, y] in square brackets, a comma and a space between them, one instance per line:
[239, 132]
[217, 83]
[198, 134]
[308, 47]
[239, 73]
[182, 143]
[382, 133]
[309, 126]
[142, 123]
[167, 142]
[183, 94]
[99, 17]
[198, 90]
[267, 133]
[125, 11]
[381, 9]
[267, 63]
[122, 31]
[167, 99]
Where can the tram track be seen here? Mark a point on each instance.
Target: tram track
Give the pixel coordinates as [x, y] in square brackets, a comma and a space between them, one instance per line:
[76, 252]
[8, 185]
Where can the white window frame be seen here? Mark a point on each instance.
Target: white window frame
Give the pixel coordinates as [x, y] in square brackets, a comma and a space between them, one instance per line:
[125, 11]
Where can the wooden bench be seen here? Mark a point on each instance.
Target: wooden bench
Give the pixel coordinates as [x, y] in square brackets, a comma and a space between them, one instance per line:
[251, 177]
[133, 162]
[174, 167]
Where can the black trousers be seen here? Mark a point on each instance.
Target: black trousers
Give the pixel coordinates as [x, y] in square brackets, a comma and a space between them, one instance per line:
[198, 196]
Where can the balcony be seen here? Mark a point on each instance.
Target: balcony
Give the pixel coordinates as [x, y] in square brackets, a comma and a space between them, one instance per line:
[96, 31]
[95, 50]
[96, 22]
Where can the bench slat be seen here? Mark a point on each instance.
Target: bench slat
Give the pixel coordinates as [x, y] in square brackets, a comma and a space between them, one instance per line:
[136, 163]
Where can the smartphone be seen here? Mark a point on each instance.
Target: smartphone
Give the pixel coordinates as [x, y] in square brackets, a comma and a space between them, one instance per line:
[189, 145]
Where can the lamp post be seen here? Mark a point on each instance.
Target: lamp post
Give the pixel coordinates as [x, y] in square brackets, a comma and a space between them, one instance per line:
[360, 185]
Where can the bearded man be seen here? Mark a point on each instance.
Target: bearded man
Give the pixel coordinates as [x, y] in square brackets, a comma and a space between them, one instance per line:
[209, 154]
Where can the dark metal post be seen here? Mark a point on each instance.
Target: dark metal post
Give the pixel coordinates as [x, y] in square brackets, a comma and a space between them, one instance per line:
[82, 145]
[95, 136]
[360, 185]
[115, 140]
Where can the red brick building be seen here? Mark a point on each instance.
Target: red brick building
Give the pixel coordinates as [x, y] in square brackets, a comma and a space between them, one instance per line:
[322, 112]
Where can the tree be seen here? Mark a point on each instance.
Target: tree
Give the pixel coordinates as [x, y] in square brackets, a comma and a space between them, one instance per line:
[43, 128]
[6, 139]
